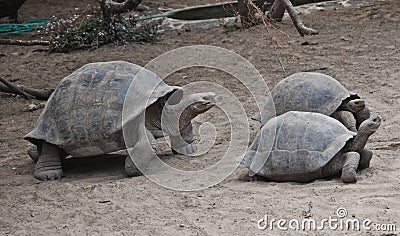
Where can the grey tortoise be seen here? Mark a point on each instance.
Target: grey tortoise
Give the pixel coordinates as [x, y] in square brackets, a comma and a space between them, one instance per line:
[315, 92]
[83, 116]
[309, 146]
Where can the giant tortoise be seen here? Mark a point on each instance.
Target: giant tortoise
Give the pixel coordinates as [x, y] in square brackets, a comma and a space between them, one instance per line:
[315, 92]
[83, 117]
[305, 146]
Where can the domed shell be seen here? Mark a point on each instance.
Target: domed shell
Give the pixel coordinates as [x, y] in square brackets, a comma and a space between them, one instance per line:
[83, 116]
[306, 91]
[296, 145]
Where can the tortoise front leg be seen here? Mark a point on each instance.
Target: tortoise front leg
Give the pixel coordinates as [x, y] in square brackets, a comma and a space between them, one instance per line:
[347, 119]
[130, 168]
[152, 140]
[184, 143]
[349, 174]
[145, 150]
[48, 166]
[34, 152]
[365, 158]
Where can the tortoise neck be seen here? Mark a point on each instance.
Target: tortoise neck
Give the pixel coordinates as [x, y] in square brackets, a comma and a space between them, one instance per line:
[186, 118]
[359, 141]
[177, 117]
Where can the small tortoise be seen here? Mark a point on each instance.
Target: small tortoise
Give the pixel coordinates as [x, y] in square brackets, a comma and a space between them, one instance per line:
[83, 117]
[309, 146]
[315, 92]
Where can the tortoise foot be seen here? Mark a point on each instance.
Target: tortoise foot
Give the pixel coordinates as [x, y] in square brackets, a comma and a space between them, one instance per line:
[49, 166]
[185, 150]
[130, 168]
[254, 178]
[349, 176]
[48, 174]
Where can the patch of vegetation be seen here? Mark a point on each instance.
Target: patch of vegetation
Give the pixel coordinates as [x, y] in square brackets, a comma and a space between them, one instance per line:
[92, 30]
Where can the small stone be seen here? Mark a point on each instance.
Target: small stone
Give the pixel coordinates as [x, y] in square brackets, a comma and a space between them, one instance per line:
[104, 201]
[34, 107]
[96, 186]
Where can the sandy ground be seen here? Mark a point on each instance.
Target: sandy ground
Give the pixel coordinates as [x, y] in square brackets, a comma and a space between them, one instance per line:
[358, 45]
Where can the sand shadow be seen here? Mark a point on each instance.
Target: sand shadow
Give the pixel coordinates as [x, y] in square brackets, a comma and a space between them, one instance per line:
[101, 168]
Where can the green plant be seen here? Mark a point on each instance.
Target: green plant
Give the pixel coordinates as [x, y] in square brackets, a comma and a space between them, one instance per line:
[91, 31]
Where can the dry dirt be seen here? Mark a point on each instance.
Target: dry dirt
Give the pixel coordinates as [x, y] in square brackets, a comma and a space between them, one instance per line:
[358, 45]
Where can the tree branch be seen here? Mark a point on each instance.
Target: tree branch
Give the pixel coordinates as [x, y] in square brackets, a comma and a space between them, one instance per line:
[24, 42]
[15, 89]
[278, 9]
[303, 30]
[28, 93]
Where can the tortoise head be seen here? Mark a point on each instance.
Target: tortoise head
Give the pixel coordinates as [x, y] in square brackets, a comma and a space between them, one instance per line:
[178, 113]
[366, 129]
[370, 125]
[354, 105]
[199, 103]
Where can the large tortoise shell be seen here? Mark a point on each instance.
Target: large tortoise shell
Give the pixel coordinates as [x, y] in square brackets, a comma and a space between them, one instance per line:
[296, 144]
[84, 114]
[306, 91]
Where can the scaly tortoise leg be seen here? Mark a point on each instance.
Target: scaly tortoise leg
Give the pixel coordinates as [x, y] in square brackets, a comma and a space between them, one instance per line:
[184, 143]
[48, 166]
[130, 168]
[34, 152]
[349, 174]
[145, 149]
[365, 158]
[152, 140]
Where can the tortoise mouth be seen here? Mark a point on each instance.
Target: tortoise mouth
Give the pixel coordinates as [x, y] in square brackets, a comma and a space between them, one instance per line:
[354, 105]
[377, 120]
[204, 106]
[373, 123]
